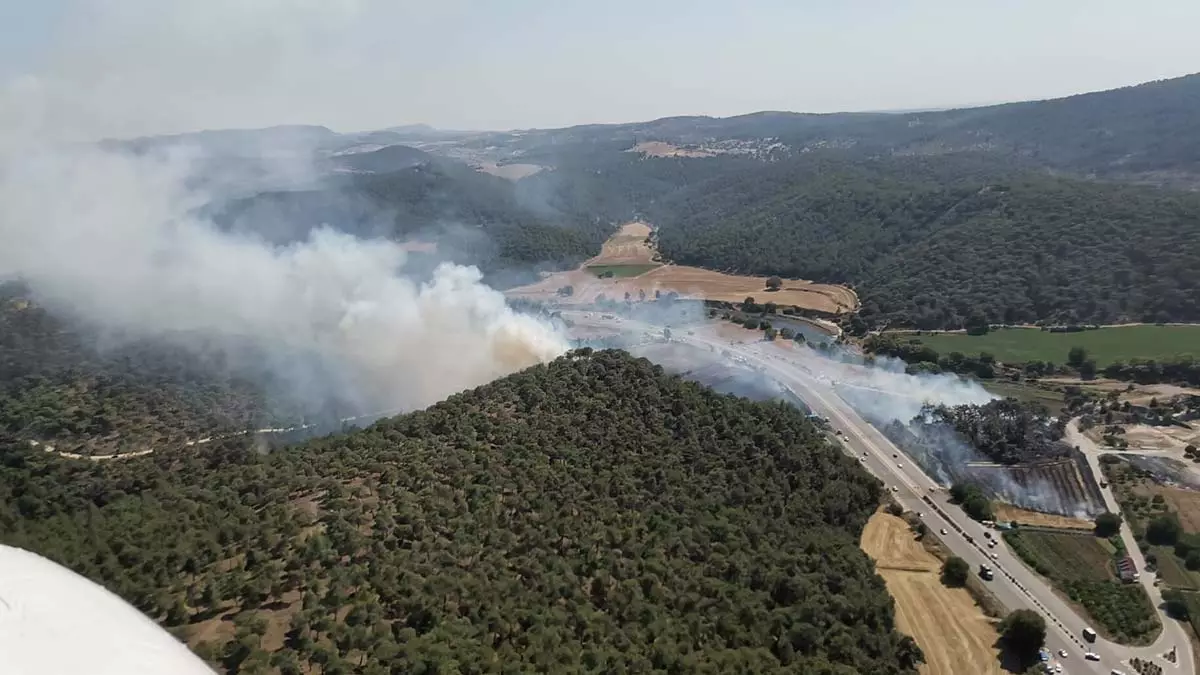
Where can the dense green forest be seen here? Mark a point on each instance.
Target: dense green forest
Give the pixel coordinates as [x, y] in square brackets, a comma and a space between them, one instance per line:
[58, 386]
[589, 515]
[936, 243]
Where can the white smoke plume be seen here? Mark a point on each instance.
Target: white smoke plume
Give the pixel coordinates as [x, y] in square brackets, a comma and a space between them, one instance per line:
[114, 239]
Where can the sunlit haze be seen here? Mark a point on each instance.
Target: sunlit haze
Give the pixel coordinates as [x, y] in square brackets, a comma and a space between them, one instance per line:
[457, 64]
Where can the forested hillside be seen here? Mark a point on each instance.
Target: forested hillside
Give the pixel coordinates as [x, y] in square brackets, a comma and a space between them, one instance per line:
[590, 515]
[474, 217]
[59, 387]
[928, 242]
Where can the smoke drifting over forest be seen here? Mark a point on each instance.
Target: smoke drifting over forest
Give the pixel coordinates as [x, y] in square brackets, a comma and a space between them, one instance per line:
[112, 238]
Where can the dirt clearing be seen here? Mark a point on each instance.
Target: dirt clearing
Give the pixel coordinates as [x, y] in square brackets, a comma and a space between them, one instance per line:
[1174, 439]
[663, 149]
[629, 246]
[513, 172]
[1008, 512]
[949, 627]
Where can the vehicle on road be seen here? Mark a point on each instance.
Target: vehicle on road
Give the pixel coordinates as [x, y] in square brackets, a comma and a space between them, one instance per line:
[987, 534]
[894, 455]
[985, 572]
[899, 465]
[895, 489]
[943, 530]
[1062, 653]
[1091, 656]
[1089, 634]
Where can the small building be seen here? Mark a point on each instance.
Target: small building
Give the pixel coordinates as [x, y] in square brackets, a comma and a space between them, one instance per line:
[1126, 569]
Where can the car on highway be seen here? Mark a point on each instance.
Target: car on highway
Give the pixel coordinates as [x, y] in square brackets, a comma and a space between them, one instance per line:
[943, 530]
[899, 465]
[894, 455]
[995, 556]
[895, 489]
[1062, 653]
[1091, 656]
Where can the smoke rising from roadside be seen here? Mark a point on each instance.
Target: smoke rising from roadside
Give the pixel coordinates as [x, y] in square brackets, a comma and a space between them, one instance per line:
[890, 398]
[114, 238]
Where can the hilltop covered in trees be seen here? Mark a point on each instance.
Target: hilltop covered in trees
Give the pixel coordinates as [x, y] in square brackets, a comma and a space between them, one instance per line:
[939, 242]
[590, 515]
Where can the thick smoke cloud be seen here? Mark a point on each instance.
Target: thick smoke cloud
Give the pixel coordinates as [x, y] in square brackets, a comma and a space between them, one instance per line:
[114, 238]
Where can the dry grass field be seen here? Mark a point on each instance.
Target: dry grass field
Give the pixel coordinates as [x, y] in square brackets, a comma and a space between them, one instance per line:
[949, 627]
[1184, 502]
[629, 247]
[1008, 512]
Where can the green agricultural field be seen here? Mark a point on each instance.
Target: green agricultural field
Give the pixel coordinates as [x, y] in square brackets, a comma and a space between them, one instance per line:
[1060, 555]
[621, 270]
[1081, 566]
[1053, 400]
[1105, 345]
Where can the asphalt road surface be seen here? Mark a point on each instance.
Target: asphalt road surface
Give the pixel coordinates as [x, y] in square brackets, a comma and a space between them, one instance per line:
[1015, 586]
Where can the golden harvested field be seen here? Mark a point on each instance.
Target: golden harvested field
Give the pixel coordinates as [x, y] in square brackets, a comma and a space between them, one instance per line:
[690, 282]
[949, 627]
[1008, 512]
[629, 247]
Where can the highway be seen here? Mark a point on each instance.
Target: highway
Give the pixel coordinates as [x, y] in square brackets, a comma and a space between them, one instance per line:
[1015, 586]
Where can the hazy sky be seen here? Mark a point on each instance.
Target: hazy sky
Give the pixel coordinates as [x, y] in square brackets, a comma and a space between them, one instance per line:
[146, 66]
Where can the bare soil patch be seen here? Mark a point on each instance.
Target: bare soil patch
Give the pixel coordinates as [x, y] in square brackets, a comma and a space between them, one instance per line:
[1173, 439]
[664, 149]
[513, 172]
[1008, 512]
[951, 630]
[1139, 394]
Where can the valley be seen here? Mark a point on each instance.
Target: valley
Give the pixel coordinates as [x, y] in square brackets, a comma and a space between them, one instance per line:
[637, 397]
